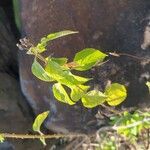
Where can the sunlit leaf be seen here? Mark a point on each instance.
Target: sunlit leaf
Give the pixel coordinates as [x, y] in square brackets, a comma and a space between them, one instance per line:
[60, 61]
[61, 94]
[148, 85]
[56, 35]
[39, 72]
[81, 79]
[41, 46]
[56, 71]
[39, 120]
[87, 58]
[93, 98]
[77, 92]
[2, 139]
[116, 94]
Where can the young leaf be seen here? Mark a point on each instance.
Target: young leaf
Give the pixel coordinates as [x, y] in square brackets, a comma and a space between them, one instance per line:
[116, 94]
[93, 98]
[87, 58]
[148, 85]
[82, 80]
[61, 95]
[55, 71]
[39, 120]
[60, 61]
[39, 72]
[41, 47]
[2, 138]
[77, 92]
[56, 35]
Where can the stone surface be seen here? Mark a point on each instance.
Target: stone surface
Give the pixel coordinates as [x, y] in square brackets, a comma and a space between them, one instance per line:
[15, 113]
[8, 49]
[104, 24]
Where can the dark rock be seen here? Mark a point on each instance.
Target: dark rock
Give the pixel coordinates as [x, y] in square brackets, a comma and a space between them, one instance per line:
[15, 113]
[6, 146]
[103, 24]
[8, 49]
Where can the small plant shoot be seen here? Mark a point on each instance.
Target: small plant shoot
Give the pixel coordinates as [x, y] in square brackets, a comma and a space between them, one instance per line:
[37, 124]
[58, 71]
[69, 88]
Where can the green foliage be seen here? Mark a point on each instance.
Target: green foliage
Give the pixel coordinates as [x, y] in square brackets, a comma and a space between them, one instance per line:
[107, 142]
[130, 125]
[93, 98]
[61, 94]
[68, 87]
[116, 93]
[2, 138]
[41, 46]
[148, 85]
[39, 120]
[87, 58]
[78, 93]
[37, 124]
[39, 72]
[60, 61]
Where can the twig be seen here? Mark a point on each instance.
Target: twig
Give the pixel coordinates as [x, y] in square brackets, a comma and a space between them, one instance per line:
[28, 136]
[131, 125]
[110, 109]
[125, 54]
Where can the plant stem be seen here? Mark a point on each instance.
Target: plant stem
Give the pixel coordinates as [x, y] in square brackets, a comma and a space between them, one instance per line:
[28, 136]
[41, 58]
[132, 124]
[125, 54]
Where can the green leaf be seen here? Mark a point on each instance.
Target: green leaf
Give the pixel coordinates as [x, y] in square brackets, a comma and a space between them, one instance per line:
[60, 61]
[134, 130]
[81, 80]
[61, 94]
[77, 92]
[43, 141]
[148, 85]
[57, 72]
[56, 35]
[41, 47]
[116, 94]
[93, 98]
[39, 72]
[87, 58]
[2, 139]
[39, 120]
